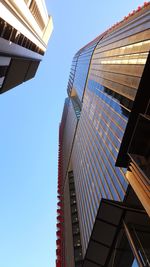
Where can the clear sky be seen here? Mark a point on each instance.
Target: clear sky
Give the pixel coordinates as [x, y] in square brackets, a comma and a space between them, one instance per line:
[30, 116]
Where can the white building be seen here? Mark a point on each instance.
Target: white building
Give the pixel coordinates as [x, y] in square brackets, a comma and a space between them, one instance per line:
[25, 28]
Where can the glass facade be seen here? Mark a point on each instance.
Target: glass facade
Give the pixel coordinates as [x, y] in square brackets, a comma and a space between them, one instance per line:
[69, 119]
[112, 81]
[99, 134]
[80, 67]
[104, 79]
[82, 70]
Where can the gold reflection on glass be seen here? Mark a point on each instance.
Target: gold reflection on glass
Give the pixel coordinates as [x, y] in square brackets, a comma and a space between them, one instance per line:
[142, 46]
[139, 58]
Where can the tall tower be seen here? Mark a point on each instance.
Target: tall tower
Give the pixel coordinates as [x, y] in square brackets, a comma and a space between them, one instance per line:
[104, 151]
[25, 28]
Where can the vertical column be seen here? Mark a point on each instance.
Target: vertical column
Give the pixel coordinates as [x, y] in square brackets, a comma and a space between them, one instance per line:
[75, 222]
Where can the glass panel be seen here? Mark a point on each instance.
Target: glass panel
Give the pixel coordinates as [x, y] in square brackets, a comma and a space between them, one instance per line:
[4, 61]
[1, 81]
[141, 237]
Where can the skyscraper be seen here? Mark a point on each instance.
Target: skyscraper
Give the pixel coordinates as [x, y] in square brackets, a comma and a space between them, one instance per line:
[25, 28]
[104, 151]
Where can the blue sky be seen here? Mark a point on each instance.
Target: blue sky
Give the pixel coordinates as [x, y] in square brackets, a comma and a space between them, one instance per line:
[30, 116]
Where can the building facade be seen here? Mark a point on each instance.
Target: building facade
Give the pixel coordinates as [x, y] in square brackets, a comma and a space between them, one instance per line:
[104, 151]
[25, 28]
